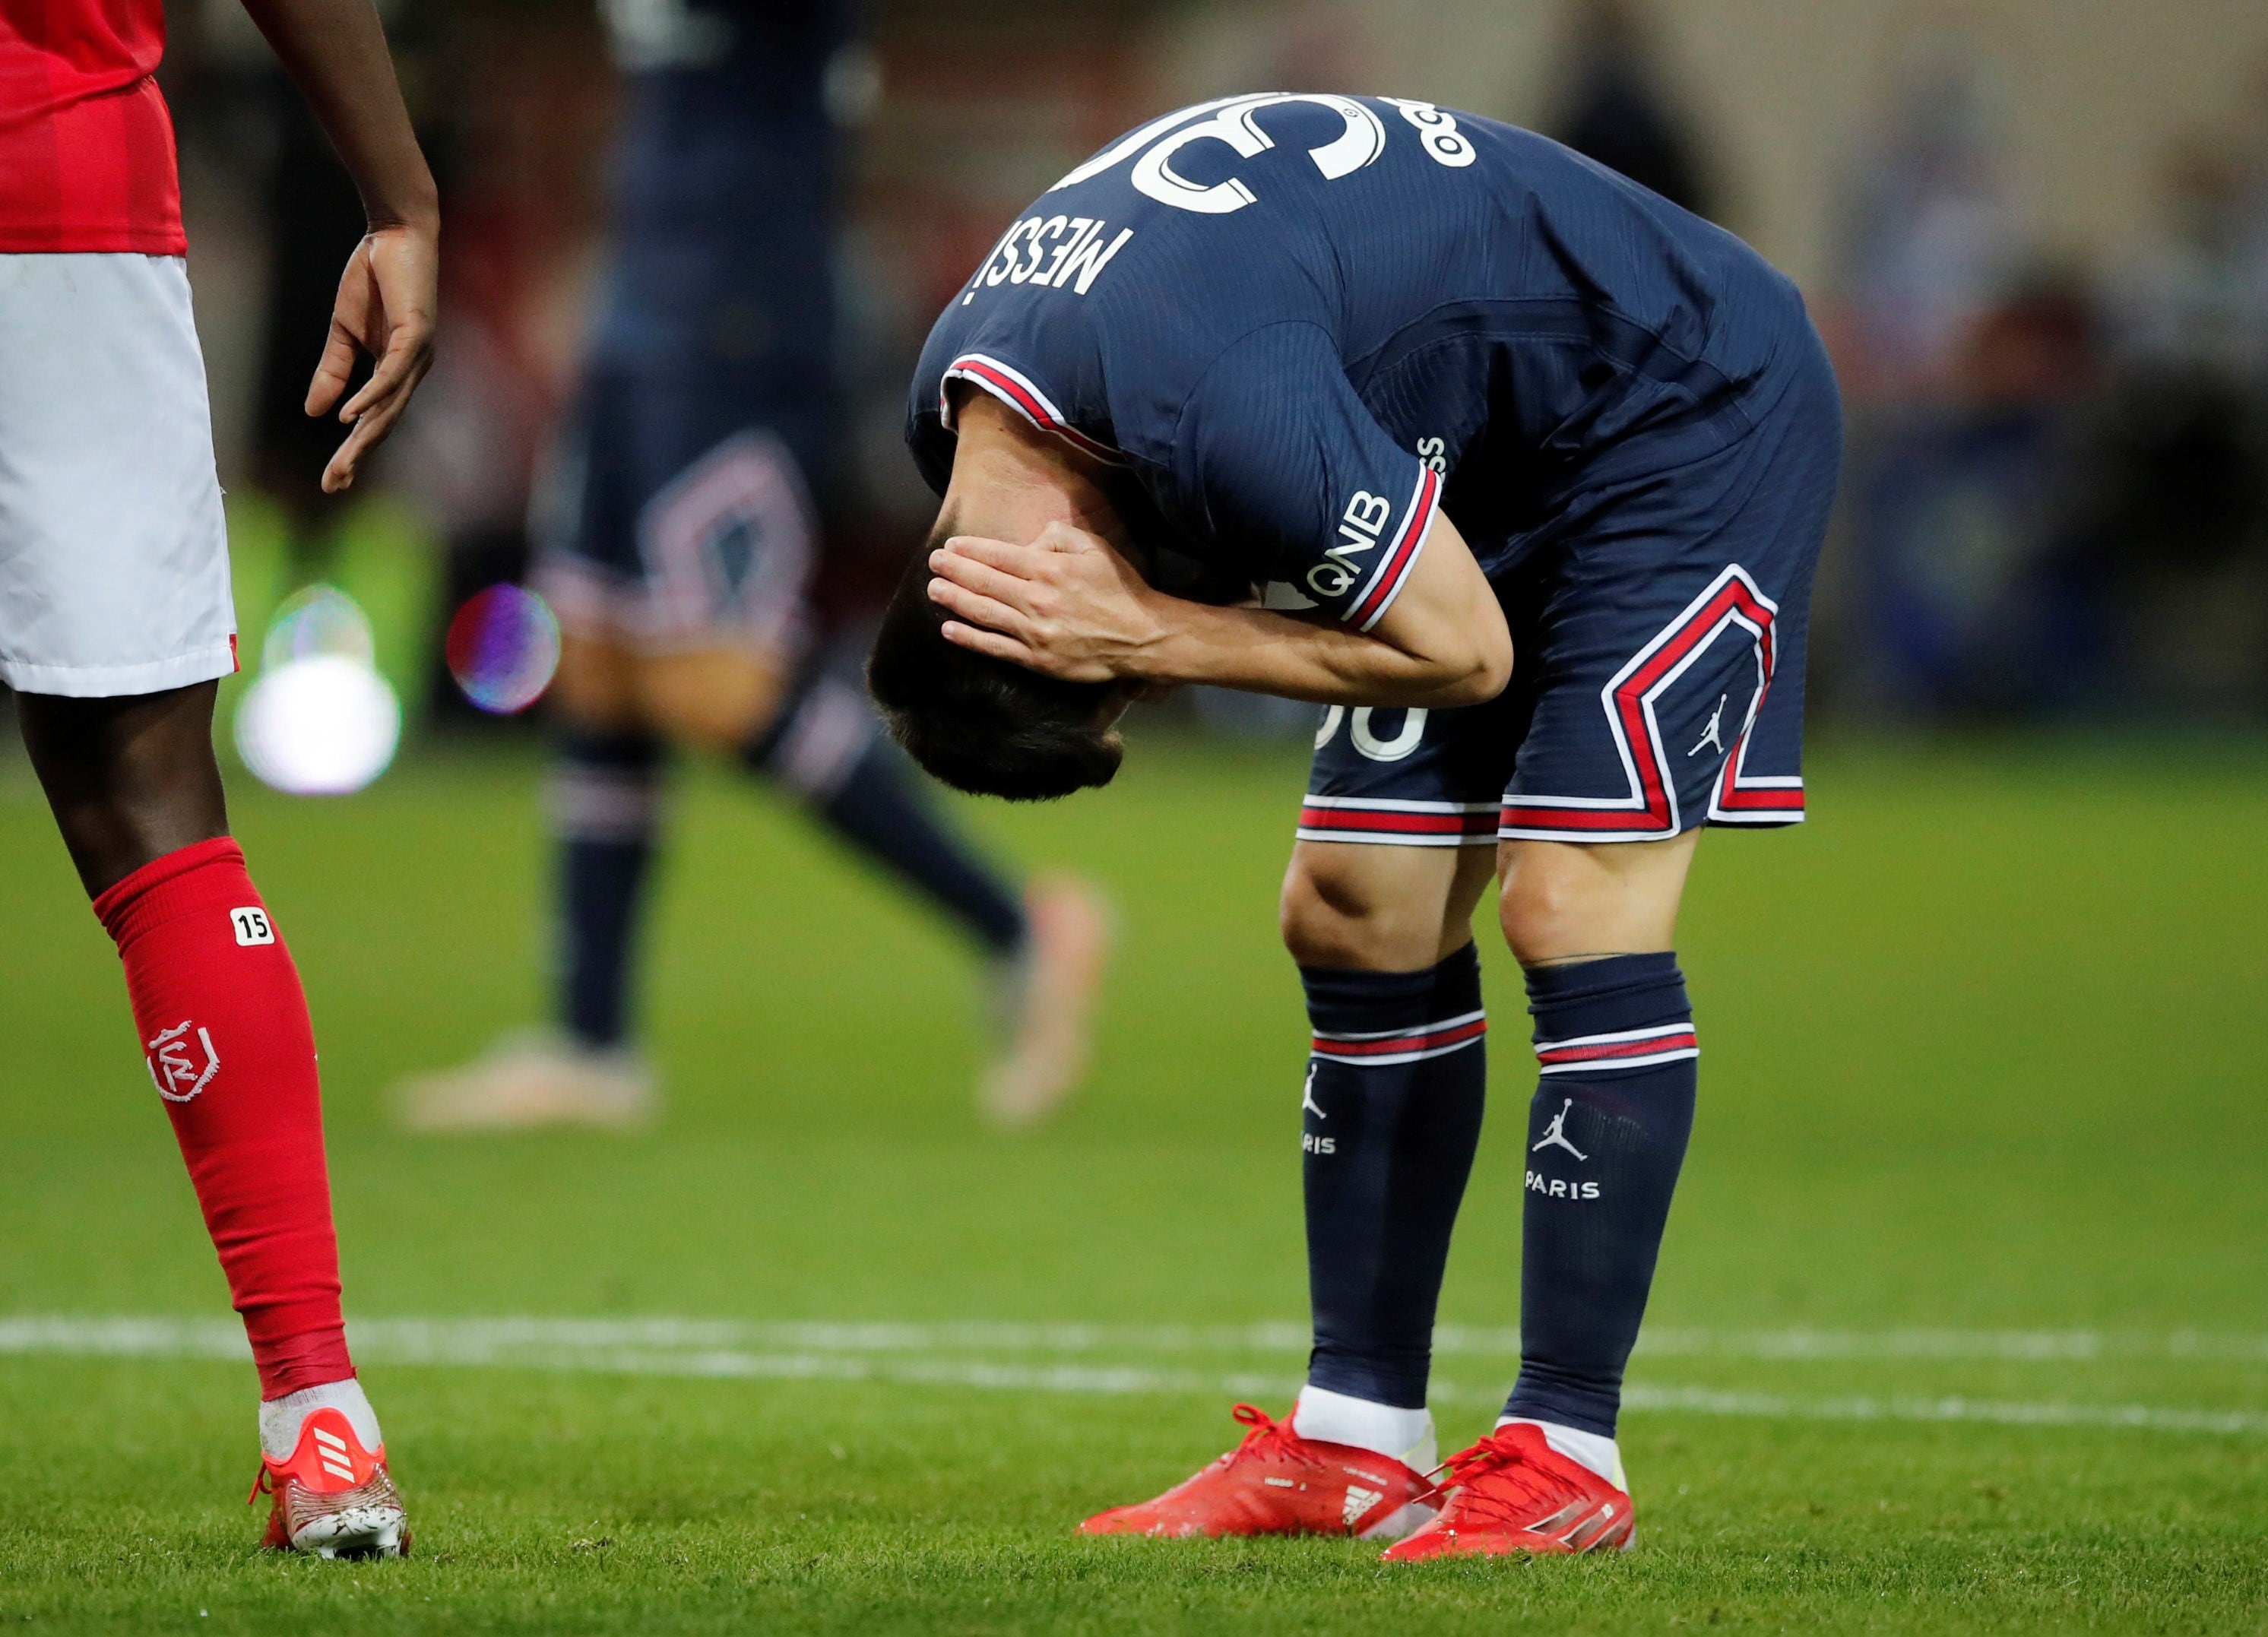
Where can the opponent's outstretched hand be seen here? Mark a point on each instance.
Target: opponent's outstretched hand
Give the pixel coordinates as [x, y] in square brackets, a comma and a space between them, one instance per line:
[386, 308]
[1067, 606]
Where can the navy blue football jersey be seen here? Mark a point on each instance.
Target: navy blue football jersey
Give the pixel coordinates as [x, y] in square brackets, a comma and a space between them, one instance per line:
[1306, 321]
[723, 188]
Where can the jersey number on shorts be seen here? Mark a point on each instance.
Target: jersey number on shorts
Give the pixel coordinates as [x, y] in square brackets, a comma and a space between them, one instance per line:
[1365, 740]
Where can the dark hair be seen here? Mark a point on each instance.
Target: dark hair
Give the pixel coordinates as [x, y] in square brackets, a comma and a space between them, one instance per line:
[985, 726]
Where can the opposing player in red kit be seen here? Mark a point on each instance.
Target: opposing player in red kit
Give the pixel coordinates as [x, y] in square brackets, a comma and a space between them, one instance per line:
[116, 621]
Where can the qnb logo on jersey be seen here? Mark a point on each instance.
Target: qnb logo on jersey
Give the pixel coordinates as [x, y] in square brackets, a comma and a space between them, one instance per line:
[1360, 525]
[1051, 250]
[1233, 121]
[182, 1061]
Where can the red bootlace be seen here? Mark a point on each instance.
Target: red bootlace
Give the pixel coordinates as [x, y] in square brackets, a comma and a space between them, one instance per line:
[1268, 1436]
[1515, 1494]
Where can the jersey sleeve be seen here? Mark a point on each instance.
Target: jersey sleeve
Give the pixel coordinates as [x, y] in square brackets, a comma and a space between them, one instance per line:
[1276, 459]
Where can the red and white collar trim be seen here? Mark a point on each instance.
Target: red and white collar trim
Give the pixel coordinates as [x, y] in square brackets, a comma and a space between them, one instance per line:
[1020, 393]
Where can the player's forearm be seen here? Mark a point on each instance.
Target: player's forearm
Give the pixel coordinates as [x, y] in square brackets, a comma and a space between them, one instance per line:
[336, 52]
[1260, 652]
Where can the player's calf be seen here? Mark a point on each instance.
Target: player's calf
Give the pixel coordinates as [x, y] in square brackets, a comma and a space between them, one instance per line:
[229, 1050]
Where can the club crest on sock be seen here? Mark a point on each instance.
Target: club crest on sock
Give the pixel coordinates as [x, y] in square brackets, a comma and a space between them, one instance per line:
[182, 1061]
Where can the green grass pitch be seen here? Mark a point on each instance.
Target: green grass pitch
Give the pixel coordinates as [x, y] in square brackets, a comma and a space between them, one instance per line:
[1962, 1323]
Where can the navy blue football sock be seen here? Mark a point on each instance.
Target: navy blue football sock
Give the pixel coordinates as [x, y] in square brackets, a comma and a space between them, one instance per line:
[826, 746]
[604, 810]
[1606, 1135]
[1392, 1116]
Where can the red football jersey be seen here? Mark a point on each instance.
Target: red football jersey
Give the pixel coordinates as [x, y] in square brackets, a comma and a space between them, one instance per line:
[86, 145]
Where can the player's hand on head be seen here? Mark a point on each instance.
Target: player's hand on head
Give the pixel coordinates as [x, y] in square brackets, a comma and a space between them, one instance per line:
[1067, 605]
[386, 308]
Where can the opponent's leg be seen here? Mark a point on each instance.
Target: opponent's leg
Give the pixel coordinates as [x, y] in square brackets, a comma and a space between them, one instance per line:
[1593, 926]
[225, 1033]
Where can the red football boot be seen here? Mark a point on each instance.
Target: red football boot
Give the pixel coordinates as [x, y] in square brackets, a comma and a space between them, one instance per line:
[1279, 1483]
[1512, 1493]
[333, 1497]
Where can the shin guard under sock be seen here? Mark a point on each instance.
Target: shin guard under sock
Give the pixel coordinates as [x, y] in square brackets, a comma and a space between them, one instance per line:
[828, 748]
[224, 1031]
[605, 810]
[1606, 1135]
[1392, 1115]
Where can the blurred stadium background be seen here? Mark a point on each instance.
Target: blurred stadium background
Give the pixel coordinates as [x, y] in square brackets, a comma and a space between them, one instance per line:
[1983, 1125]
[2037, 235]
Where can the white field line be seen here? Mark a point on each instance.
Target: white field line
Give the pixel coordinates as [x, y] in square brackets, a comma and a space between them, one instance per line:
[905, 1354]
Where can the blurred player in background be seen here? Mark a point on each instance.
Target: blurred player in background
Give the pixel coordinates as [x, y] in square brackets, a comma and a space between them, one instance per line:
[676, 541]
[115, 621]
[1279, 342]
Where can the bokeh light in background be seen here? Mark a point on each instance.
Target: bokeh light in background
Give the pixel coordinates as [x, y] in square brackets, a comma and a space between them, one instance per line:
[320, 721]
[321, 727]
[503, 648]
[318, 620]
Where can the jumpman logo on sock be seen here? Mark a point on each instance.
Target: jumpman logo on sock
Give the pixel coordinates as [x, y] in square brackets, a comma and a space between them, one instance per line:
[1714, 734]
[1555, 1134]
[1307, 1103]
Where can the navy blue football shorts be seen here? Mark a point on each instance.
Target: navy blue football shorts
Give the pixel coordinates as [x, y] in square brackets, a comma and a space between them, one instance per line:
[1657, 630]
[673, 515]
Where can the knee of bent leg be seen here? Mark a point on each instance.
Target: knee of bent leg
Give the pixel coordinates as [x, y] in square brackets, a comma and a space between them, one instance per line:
[1559, 900]
[1334, 911]
[1547, 905]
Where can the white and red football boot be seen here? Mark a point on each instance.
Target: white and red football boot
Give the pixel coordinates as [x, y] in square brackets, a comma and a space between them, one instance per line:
[1513, 1492]
[1279, 1483]
[333, 1497]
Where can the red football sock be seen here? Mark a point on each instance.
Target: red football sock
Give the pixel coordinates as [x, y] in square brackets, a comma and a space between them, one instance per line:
[225, 1030]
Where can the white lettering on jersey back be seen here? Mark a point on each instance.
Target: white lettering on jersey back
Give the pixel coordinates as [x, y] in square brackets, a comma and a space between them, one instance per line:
[1050, 250]
[1085, 260]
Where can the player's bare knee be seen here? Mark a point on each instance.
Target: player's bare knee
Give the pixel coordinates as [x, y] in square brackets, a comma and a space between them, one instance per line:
[1557, 899]
[1545, 914]
[129, 778]
[1337, 911]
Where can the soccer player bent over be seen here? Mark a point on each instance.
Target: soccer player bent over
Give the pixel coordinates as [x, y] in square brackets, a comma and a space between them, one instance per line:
[1278, 343]
[115, 619]
[677, 537]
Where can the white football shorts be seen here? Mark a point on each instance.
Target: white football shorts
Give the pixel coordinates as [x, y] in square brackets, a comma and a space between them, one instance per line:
[114, 557]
